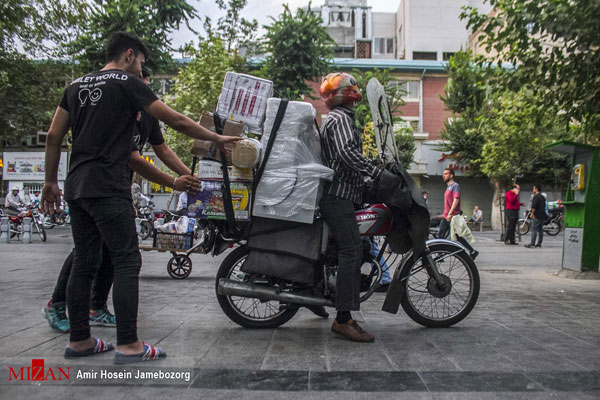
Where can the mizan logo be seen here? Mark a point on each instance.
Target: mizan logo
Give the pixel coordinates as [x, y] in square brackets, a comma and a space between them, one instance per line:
[37, 372]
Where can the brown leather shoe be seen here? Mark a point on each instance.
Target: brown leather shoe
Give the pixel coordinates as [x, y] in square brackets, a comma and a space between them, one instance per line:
[352, 331]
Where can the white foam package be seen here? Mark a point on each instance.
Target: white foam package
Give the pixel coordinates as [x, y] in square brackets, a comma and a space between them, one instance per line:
[243, 99]
[293, 179]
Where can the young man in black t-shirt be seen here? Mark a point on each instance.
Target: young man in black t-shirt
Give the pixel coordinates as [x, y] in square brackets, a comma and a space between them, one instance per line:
[538, 213]
[148, 130]
[100, 109]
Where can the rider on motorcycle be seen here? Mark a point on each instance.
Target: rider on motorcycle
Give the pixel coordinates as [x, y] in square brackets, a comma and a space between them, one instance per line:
[341, 145]
[13, 201]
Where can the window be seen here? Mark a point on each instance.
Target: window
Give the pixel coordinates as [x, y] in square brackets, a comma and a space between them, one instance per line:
[446, 56]
[409, 90]
[352, 18]
[383, 45]
[364, 25]
[407, 123]
[424, 55]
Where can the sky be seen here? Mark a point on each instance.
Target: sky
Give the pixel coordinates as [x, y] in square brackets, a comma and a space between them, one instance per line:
[261, 10]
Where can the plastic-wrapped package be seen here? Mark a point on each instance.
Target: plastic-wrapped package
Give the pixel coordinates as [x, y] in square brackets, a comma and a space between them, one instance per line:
[291, 185]
[243, 99]
[246, 153]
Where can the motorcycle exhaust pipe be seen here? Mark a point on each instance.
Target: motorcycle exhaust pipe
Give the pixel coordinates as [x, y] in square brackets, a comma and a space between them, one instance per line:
[227, 287]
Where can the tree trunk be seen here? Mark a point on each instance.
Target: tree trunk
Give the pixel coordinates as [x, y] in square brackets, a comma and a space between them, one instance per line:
[497, 214]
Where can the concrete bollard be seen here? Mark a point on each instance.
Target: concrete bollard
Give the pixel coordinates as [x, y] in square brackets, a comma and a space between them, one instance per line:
[4, 230]
[26, 231]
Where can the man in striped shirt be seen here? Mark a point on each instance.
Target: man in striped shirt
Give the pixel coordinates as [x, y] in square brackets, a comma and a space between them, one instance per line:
[341, 148]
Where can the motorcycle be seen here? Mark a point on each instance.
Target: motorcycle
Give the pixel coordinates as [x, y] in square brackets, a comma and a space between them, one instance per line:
[438, 288]
[147, 215]
[552, 223]
[37, 222]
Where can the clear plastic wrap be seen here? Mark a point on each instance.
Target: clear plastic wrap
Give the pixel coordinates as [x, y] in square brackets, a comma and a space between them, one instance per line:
[291, 185]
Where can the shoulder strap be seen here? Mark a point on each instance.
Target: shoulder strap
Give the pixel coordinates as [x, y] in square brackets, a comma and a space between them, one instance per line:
[276, 124]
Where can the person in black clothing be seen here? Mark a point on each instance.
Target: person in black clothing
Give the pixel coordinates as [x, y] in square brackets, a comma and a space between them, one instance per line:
[100, 109]
[341, 147]
[538, 213]
[148, 130]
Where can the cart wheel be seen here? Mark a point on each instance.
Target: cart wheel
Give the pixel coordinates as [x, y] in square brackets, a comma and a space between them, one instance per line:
[179, 266]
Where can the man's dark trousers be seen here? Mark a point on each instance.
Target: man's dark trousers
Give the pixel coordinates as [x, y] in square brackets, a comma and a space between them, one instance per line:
[93, 221]
[339, 215]
[512, 216]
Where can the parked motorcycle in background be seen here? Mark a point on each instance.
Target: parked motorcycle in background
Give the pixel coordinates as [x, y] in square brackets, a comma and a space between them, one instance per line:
[552, 224]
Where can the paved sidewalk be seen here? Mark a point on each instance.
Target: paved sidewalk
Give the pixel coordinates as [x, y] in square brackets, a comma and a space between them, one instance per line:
[532, 335]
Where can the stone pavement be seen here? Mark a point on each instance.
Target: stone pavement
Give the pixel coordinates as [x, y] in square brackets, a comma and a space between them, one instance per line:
[532, 335]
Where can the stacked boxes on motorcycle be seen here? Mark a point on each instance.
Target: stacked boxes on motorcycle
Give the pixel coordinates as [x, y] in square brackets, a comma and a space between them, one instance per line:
[243, 99]
[293, 177]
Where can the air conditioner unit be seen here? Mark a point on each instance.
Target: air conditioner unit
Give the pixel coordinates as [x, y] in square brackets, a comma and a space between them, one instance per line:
[41, 137]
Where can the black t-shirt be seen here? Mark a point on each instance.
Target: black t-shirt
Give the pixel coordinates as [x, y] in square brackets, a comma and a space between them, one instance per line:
[147, 129]
[103, 108]
[538, 203]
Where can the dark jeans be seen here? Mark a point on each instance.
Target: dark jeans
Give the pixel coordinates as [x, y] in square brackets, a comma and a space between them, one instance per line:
[512, 217]
[538, 227]
[339, 215]
[103, 279]
[94, 221]
[444, 229]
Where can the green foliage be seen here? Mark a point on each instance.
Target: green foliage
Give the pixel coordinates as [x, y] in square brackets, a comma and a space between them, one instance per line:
[29, 94]
[500, 132]
[233, 29]
[405, 143]
[151, 20]
[516, 132]
[35, 25]
[556, 46]
[30, 90]
[465, 95]
[299, 49]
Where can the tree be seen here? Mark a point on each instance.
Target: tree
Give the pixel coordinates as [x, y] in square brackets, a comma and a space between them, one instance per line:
[151, 20]
[30, 90]
[556, 47]
[37, 25]
[234, 30]
[465, 96]
[299, 49]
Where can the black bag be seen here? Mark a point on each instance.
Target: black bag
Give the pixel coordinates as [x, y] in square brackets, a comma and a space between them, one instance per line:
[284, 249]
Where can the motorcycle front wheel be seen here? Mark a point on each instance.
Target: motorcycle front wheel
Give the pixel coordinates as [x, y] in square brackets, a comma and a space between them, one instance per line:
[41, 231]
[523, 227]
[146, 229]
[553, 228]
[429, 305]
[246, 311]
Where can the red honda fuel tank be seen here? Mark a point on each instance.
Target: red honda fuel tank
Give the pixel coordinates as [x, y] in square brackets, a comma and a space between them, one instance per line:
[375, 220]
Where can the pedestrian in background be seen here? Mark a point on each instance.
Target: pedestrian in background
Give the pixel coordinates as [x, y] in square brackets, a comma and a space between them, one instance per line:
[451, 202]
[513, 205]
[538, 213]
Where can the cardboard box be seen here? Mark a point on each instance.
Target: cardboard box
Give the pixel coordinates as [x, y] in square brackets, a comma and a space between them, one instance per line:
[208, 202]
[206, 148]
[211, 170]
[243, 99]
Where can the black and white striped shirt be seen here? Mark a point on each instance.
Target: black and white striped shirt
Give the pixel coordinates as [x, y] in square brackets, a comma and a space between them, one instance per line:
[341, 150]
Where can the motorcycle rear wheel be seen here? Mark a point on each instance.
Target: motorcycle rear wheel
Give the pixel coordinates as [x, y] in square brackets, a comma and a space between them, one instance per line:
[553, 228]
[429, 306]
[146, 229]
[523, 227]
[245, 311]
